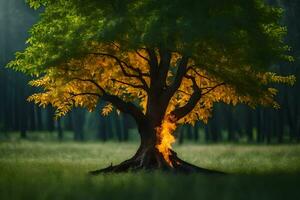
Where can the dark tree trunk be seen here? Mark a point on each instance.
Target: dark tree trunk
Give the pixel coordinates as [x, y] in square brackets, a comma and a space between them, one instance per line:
[280, 126]
[196, 131]
[189, 131]
[32, 117]
[207, 132]
[126, 125]
[60, 134]
[269, 128]
[102, 129]
[23, 123]
[50, 119]
[230, 125]
[68, 122]
[148, 157]
[298, 132]
[5, 37]
[78, 123]
[181, 135]
[263, 125]
[126, 132]
[258, 126]
[39, 118]
[23, 133]
[215, 130]
[24, 116]
[249, 125]
[154, 151]
[117, 122]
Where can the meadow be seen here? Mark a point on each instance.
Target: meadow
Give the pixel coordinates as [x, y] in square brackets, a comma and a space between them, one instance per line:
[54, 170]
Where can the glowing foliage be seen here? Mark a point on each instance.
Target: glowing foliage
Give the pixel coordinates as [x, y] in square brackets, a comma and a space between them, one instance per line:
[83, 52]
[107, 109]
[73, 84]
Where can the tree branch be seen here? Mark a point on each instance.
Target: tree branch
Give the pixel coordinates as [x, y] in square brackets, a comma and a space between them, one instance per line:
[184, 92]
[212, 88]
[194, 70]
[91, 81]
[153, 63]
[131, 85]
[181, 72]
[84, 93]
[116, 45]
[190, 105]
[140, 55]
[126, 107]
[121, 65]
[164, 65]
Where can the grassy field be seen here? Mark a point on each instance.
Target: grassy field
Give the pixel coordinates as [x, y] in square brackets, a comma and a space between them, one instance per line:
[52, 170]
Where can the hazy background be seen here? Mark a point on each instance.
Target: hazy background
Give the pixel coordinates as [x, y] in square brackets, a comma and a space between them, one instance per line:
[21, 119]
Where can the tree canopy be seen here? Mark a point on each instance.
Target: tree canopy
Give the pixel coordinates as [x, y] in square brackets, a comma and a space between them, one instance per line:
[85, 51]
[163, 62]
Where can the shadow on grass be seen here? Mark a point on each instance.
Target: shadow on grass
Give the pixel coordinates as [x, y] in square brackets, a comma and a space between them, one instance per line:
[55, 183]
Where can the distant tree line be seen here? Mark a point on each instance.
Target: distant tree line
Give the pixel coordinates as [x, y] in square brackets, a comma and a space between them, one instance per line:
[232, 124]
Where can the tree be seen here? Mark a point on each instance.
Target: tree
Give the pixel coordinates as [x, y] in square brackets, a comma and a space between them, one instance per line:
[163, 62]
[16, 115]
[78, 117]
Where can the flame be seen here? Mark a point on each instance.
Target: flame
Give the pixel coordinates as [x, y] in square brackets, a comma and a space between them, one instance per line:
[165, 137]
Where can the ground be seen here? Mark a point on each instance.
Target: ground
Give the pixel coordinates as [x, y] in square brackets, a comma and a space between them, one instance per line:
[53, 170]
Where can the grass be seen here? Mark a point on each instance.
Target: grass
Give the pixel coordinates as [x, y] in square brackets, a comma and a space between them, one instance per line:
[52, 170]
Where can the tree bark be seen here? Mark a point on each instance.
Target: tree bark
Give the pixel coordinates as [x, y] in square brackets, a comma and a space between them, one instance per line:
[230, 125]
[150, 124]
[258, 126]
[196, 132]
[125, 123]
[149, 158]
[50, 119]
[249, 125]
[102, 129]
[60, 133]
[78, 123]
[39, 118]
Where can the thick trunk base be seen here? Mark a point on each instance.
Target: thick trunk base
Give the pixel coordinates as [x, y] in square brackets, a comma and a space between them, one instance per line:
[152, 159]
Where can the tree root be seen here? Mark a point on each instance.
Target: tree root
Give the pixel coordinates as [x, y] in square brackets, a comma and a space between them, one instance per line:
[153, 162]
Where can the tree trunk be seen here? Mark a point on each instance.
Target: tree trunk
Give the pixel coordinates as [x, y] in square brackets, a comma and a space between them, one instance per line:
[149, 157]
[196, 131]
[102, 129]
[207, 132]
[156, 126]
[258, 126]
[249, 125]
[117, 124]
[50, 119]
[39, 118]
[125, 125]
[32, 119]
[78, 123]
[280, 126]
[230, 125]
[189, 131]
[60, 133]
[181, 135]
[24, 116]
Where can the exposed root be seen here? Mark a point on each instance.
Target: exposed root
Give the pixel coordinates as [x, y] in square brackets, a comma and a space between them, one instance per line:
[154, 161]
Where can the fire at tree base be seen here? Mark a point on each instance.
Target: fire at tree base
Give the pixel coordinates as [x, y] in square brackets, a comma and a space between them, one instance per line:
[157, 156]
